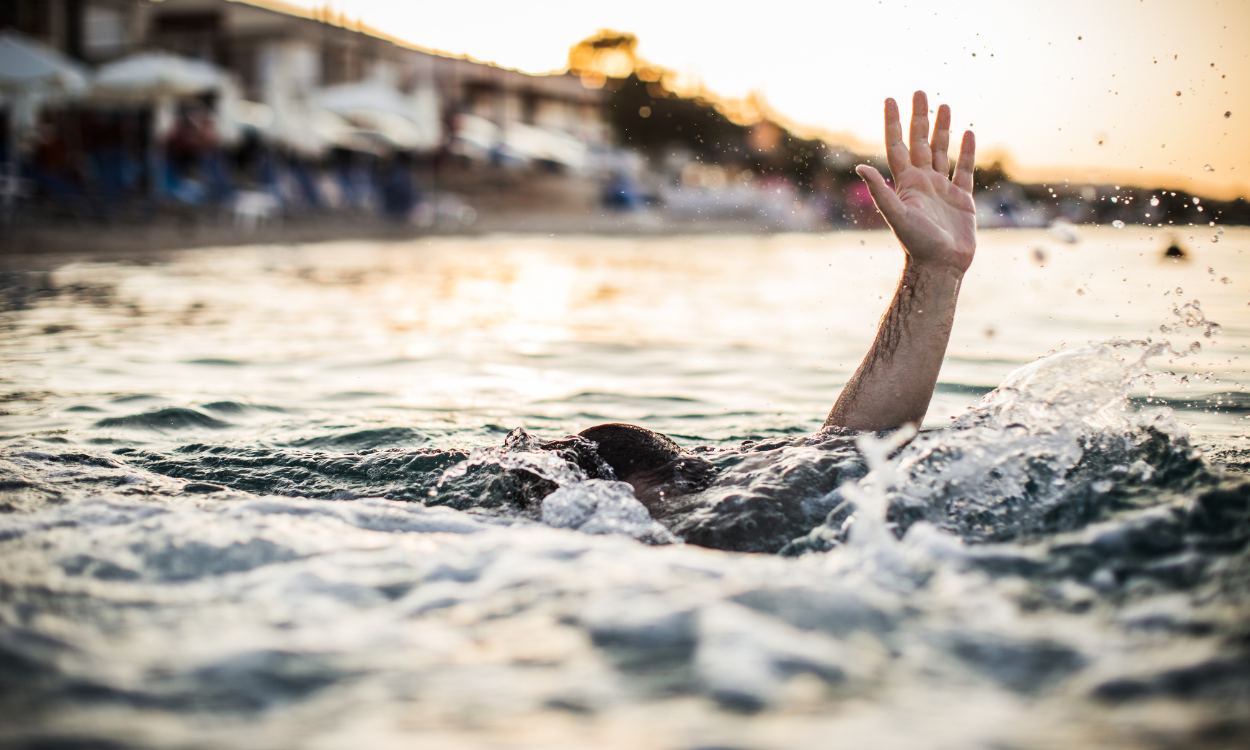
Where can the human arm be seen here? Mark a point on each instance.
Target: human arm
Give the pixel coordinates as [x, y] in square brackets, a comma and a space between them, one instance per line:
[934, 219]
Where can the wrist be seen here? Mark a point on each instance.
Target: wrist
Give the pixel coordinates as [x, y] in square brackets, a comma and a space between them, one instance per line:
[933, 272]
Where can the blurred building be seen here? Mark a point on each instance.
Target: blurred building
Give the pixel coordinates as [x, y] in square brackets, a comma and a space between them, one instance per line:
[280, 54]
[477, 104]
[93, 31]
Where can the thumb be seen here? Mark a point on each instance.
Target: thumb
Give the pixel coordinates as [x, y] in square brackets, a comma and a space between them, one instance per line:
[882, 194]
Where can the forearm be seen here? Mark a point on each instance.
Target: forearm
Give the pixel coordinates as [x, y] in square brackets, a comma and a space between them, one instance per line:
[894, 383]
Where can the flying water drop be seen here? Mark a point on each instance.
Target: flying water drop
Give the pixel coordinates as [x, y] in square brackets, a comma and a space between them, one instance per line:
[1117, 224]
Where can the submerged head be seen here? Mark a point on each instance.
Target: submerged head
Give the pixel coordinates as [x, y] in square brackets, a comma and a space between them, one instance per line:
[656, 467]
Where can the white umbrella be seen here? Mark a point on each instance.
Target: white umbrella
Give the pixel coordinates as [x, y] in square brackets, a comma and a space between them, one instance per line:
[28, 66]
[397, 131]
[152, 75]
[31, 73]
[534, 142]
[363, 96]
[379, 107]
[479, 134]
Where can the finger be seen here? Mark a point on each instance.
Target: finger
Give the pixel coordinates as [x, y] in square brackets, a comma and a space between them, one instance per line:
[882, 194]
[967, 158]
[920, 154]
[942, 141]
[895, 149]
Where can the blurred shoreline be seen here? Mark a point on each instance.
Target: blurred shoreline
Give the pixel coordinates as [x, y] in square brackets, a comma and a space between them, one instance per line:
[171, 233]
[459, 202]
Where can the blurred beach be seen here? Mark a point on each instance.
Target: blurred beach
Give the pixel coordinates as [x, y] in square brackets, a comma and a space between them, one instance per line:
[193, 123]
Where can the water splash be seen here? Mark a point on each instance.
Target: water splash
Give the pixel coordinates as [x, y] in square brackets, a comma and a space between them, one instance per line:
[519, 453]
[1191, 315]
[1033, 457]
[601, 506]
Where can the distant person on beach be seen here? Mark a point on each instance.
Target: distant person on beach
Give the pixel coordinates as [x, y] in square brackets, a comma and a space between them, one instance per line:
[934, 218]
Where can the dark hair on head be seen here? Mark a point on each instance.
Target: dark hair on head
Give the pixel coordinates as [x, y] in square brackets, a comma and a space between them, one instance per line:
[630, 449]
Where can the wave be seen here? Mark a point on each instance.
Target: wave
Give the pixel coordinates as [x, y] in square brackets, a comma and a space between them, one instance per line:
[172, 418]
[1058, 551]
[1058, 446]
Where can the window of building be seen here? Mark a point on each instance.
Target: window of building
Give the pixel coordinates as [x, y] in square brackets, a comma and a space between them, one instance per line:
[104, 30]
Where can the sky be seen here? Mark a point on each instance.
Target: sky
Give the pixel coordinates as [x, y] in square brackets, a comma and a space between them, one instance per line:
[1107, 91]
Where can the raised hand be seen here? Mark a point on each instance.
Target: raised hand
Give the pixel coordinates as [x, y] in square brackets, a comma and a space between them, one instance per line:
[934, 218]
[932, 214]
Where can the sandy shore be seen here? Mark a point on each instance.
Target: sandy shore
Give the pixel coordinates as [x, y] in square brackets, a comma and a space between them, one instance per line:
[500, 202]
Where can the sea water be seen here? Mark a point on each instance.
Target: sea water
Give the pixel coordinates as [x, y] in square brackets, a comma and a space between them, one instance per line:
[323, 496]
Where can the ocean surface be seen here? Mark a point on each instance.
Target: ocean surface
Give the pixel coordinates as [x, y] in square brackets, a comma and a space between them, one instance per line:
[323, 496]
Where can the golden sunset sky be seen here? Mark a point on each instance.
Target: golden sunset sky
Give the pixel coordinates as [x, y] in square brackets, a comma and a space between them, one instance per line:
[1042, 83]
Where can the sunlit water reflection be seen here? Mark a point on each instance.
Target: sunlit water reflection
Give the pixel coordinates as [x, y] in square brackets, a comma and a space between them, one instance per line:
[188, 559]
[715, 338]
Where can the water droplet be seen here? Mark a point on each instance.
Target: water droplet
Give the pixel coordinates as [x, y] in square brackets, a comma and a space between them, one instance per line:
[1117, 224]
[1220, 230]
[1208, 168]
[1226, 280]
[1210, 270]
[1179, 290]
[1178, 93]
[1228, 114]
[1115, 199]
[1215, 238]
[1154, 201]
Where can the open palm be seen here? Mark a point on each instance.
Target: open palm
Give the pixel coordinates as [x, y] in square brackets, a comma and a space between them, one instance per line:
[932, 215]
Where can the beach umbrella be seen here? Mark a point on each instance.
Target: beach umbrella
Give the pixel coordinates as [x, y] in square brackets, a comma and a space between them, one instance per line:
[154, 75]
[378, 107]
[374, 96]
[30, 74]
[396, 131]
[476, 136]
[534, 142]
[29, 66]
[336, 130]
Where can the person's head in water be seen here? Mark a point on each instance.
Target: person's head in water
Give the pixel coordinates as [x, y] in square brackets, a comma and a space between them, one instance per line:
[654, 465]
